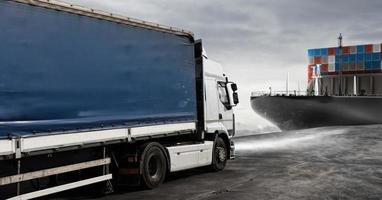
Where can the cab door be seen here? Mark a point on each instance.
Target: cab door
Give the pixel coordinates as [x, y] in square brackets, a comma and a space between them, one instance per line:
[212, 100]
[225, 106]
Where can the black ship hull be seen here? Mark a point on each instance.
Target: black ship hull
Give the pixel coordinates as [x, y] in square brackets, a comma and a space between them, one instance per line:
[298, 112]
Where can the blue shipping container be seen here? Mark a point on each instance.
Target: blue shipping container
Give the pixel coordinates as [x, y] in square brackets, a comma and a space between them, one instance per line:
[368, 65]
[317, 52]
[376, 64]
[338, 59]
[352, 58]
[338, 51]
[360, 49]
[360, 57]
[376, 57]
[337, 67]
[310, 52]
[345, 58]
[368, 57]
[324, 52]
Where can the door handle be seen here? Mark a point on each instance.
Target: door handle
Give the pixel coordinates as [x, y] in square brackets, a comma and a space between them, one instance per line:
[220, 116]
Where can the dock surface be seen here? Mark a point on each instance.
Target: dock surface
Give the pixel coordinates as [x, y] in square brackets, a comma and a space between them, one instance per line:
[320, 163]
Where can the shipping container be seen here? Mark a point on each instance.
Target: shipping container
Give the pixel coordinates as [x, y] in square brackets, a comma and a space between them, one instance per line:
[345, 58]
[317, 52]
[311, 60]
[344, 67]
[376, 48]
[369, 48]
[349, 59]
[310, 72]
[368, 57]
[352, 58]
[338, 58]
[360, 66]
[324, 59]
[338, 51]
[353, 50]
[376, 57]
[324, 68]
[376, 64]
[331, 59]
[368, 65]
[310, 52]
[324, 52]
[317, 60]
[360, 49]
[352, 66]
[332, 67]
[337, 67]
[360, 57]
[345, 50]
[331, 51]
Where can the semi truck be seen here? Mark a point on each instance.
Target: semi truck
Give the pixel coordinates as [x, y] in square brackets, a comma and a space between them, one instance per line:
[93, 98]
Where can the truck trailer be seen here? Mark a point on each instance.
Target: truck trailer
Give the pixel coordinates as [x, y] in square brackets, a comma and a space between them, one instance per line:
[90, 97]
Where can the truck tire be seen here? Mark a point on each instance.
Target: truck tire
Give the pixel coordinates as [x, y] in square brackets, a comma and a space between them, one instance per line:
[219, 156]
[154, 166]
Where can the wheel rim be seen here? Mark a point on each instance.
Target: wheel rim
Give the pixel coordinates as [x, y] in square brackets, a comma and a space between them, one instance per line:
[154, 167]
[221, 154]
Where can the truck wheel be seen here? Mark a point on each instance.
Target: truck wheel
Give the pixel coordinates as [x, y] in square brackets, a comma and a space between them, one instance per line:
[154, 166]
[219, 156]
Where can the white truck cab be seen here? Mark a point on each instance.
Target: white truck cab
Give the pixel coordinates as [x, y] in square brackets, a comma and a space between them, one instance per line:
[220, 98]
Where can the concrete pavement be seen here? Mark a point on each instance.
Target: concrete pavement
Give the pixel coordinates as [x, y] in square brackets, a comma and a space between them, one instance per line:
[321, 163]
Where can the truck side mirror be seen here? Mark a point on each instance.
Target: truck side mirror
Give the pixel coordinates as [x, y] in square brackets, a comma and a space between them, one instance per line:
[235, 98]
[234, 87]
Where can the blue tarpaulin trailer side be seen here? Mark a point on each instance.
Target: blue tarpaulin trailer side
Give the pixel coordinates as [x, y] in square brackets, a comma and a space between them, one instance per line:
[62, 71]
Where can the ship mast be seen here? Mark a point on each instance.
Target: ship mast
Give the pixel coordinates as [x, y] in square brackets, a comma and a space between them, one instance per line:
[340, 63]
[340, 41]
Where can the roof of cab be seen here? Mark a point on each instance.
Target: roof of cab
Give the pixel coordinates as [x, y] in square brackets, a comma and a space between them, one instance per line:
[75, 9]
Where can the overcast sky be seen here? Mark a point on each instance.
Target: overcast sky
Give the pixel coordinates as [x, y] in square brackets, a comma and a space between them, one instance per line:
[259, 41]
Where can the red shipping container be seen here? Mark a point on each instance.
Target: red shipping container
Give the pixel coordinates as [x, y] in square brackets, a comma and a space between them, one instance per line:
[345, 50]
[331, 51]
[369, 48]
[324, 68]
[317, 60]
[310, 72]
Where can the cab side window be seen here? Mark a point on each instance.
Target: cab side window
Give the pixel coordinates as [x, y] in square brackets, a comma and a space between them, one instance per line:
[223, 96]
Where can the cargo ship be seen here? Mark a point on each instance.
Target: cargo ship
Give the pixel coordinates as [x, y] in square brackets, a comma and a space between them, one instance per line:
[344, 88]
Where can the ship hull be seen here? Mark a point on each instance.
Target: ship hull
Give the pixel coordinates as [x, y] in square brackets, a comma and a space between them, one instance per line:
[298, 112]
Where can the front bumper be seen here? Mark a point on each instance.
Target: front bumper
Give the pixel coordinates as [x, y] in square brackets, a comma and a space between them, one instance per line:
[232, 150]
